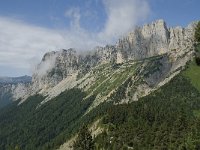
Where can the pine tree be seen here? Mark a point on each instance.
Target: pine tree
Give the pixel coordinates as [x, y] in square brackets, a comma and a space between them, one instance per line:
[197, 45]
[84, 140]
[197, 33]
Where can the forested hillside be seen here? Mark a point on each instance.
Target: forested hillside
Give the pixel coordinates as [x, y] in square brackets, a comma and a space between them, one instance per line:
[46, 127]
[166, 119]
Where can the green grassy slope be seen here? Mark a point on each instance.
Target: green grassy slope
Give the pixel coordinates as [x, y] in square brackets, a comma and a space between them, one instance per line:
[109, 77]
[193, 74]
[198, 48]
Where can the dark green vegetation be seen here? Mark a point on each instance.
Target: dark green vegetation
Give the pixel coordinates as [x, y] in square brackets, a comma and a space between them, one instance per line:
[198, 61]
[197, 53]
[193, 74]
[5, 96]
[84, 140]
[197, 32]
[46, 127]
[26, 128]
[197, 47]
[166, 119]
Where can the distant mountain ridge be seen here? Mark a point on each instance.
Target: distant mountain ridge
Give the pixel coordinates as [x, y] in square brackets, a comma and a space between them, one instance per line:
[15, 80]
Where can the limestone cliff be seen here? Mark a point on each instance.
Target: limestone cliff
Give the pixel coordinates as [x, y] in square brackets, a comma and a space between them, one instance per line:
[140, 48]
[54, 67]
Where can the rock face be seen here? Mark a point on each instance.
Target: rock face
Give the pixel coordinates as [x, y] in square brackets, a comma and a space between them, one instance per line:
[55, 66]
[147, 41]
[67, 68]
[155, 39]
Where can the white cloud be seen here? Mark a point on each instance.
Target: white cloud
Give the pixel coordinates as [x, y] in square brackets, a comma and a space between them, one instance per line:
[22, 45]
[45, 65]
[123, 15]
[75, 16]
[19, 41]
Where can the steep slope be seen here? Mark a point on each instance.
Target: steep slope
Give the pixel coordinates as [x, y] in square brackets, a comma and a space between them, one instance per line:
[173, 110]
[165, 119]
[67, 69]
[46, 127]
[103, 87]
[168, 118]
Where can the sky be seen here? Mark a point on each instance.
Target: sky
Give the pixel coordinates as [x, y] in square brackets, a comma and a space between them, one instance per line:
[30, 28]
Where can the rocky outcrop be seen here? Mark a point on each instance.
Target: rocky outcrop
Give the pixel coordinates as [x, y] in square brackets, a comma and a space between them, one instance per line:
[155, 39]
[147, 41]
[55, 66]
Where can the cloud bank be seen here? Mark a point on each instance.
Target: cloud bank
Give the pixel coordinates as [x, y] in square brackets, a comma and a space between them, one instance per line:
[123, 15]
[22, 45]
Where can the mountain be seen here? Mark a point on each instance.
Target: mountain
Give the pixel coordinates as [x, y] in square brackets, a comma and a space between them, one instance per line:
[65, 69]
[136, 94]
[15, 80]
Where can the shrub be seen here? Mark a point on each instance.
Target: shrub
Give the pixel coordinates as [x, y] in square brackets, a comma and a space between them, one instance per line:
[197, 59]
[84, 140]
[197, 33]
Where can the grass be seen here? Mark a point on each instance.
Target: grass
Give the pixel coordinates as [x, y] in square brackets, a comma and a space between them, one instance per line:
[101, 75]
[193, 73]
[108, 78]
[118, 79]
[197, 48]
[196, 113]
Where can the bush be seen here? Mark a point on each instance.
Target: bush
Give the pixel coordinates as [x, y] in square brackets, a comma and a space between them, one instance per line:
[197, 32]
[197, 59]
[84, 140]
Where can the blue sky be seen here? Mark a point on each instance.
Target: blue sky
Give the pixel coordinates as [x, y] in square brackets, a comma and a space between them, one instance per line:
[30, 28]
[51, 13]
